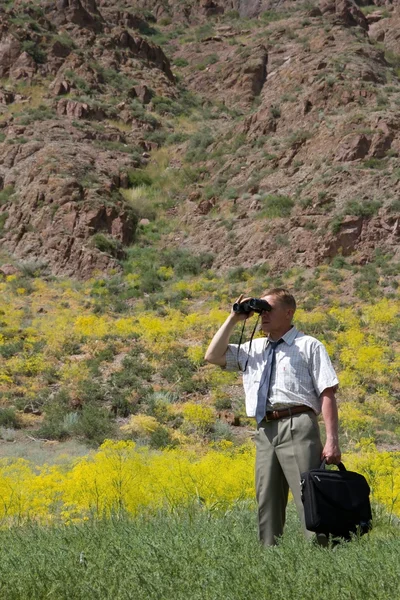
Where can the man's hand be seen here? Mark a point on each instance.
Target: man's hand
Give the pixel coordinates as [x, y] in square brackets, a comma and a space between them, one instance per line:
[216, 351]
[331, 452]
[241, 316]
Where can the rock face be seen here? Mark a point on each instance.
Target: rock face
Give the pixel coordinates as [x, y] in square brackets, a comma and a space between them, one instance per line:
[53, 218]
[298, 154]
[62, 164]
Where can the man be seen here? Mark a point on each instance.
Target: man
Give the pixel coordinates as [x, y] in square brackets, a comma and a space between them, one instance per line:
[288, 380]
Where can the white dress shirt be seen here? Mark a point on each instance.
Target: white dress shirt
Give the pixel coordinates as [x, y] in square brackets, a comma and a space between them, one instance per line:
[303, 370]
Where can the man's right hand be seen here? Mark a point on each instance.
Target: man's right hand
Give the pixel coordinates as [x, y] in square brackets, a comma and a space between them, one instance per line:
[241, 316]
[217, 349]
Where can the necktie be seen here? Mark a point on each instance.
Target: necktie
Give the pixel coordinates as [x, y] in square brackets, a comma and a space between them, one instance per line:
[263, 390]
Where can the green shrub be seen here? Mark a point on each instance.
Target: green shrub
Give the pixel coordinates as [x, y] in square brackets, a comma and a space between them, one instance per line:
[161, 438]
[224, 403]
[204, 31]
[137, 178]
[65, 40]
[31, 115]
[185, 263]
[6, 194]
[221, 431]
[299, 137]
[8, 418]
[166, 106]
[238, 275]
[79, 82]
[93, 424]
[275, 111]
[276, 205]
[150, 282]
[368, 208]
[56, 408]
[3, 219]
[180, 62]
[394, 206]
[336, 224]
[107, 244]
[12, 348]
[34, 51]
[198, 143]
[374, 163]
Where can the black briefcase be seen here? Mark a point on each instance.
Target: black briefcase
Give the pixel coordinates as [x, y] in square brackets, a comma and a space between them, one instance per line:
[336, 503]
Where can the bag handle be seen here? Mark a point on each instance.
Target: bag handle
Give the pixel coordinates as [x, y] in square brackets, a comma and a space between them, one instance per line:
[340, 466]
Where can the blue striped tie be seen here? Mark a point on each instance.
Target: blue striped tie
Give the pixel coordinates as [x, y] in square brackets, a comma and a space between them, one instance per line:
[263, 390]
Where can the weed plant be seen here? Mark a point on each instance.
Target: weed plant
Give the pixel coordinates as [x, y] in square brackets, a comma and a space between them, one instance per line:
[191, 554]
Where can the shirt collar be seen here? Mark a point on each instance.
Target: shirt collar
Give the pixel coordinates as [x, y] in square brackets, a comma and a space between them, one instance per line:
[289, 336]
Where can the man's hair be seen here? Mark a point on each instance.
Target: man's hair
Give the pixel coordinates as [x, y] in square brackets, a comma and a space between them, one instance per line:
[284, 297]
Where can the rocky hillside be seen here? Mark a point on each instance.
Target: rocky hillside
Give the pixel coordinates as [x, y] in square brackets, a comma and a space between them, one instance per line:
[283, 116]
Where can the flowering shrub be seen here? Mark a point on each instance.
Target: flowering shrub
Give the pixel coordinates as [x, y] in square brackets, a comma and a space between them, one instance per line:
[140, 425]
[121, 477]
[201, 417]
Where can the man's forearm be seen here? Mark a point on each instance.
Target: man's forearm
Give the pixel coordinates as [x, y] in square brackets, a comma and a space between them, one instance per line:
[330, 415]
[216, 351]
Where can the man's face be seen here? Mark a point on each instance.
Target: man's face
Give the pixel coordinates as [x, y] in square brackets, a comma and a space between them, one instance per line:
[278, 319]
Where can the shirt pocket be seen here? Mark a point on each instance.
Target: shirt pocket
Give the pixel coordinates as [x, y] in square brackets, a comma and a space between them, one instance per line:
[290, 372]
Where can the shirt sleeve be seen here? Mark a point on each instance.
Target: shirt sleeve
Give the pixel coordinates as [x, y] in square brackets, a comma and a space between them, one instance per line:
[322, 372]
[236, 357]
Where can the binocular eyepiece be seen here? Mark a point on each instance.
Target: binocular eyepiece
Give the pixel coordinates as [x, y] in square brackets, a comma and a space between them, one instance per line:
[252, 305]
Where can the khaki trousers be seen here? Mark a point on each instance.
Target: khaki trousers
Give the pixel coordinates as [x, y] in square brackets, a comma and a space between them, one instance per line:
[285, 448]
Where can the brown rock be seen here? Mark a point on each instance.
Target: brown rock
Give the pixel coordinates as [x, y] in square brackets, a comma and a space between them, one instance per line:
[381, 143]
[6, 97]
[141, 48]
[24, 67]
[353, 147]
[229, 417]
[10, 49]
[209, 8]
[143, 93]
[83, 13]
[374, 17]
[346, 239]
[60, 87]
[205, 206]
[7, 270]
[345, 11]
[194, 196]
[59, 50]
[78, 110]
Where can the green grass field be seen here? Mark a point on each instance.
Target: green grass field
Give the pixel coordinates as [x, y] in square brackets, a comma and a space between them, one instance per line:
[193, 556]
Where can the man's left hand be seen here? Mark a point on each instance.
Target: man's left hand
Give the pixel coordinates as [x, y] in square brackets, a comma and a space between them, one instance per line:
[331, 452]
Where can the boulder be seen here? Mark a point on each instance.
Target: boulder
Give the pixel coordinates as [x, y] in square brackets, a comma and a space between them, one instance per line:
[10, 49]
[83, 13]
[78, 110]
[6, 97]
[24, 67]
[346, 239]
[142, 93]
[7, 270]
[380, 144]
[353, 147]
[346, 12]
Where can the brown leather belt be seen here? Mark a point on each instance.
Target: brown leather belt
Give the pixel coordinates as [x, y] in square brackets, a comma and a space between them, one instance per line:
[273, 415]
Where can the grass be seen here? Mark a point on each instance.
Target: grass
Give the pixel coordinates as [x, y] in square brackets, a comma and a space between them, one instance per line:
[193, 555]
